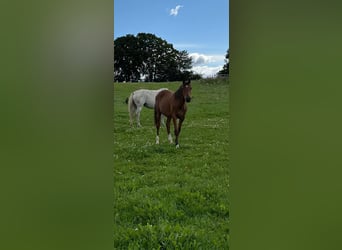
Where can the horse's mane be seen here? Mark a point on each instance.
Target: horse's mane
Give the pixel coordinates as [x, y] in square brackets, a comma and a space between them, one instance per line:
[179, 93]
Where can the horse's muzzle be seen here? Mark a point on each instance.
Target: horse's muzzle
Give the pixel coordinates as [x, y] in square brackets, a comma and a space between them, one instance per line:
[188, 99]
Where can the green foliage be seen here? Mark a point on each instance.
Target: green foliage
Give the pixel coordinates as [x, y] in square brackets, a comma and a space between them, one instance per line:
[168, 198]
[149, 56]
[225, 70]
[195, 76]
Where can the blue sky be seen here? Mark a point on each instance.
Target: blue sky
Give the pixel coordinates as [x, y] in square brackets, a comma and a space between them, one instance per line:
[198, 26]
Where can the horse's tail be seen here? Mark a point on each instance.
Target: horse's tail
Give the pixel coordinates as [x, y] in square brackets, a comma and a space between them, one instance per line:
[126, 101]
[131, 108]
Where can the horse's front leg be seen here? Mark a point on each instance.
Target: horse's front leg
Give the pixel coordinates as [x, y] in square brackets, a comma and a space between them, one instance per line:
[168, 121]
[179, 129]
[176, 130]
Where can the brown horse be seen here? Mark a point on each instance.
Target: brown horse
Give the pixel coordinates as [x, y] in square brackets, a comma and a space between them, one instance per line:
[173, 106]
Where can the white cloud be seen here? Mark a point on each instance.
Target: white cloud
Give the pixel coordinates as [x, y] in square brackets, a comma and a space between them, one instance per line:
[198, 59]
[207, 71]
[174, 12]
[207, 65]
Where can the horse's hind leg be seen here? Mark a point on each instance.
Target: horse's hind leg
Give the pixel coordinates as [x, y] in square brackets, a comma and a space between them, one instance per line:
[168, 129]
[131, 117]
[131, 114]
[138, 116]
[131, 109]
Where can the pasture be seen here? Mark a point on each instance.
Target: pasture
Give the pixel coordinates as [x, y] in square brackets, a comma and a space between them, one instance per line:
[168, 198]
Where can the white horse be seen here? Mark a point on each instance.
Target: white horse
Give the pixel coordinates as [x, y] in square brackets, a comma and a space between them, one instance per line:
[138, 99]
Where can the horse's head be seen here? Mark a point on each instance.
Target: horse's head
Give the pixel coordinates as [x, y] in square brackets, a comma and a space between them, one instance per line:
[187, 90]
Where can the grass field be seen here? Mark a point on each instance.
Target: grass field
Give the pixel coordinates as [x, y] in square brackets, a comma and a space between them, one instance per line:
[168, 198]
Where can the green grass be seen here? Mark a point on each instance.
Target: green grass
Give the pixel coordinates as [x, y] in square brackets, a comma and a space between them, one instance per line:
[168, 198]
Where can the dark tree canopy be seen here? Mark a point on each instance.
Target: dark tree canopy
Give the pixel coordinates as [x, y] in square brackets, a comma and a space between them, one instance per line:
[225, 69]
[149, 57]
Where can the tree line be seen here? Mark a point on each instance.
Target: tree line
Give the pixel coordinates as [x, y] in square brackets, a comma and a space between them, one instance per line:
[225, 70]
[150, 58]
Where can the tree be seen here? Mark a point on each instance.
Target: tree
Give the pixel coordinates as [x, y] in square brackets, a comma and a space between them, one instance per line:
[225, 70]
[184, 63]
[126, 59]
[150, 57]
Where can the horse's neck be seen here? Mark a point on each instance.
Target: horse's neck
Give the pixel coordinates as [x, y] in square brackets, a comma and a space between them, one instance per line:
[178, 95]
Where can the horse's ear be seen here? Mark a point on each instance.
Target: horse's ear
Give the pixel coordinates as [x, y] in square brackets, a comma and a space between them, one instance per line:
[186, 82]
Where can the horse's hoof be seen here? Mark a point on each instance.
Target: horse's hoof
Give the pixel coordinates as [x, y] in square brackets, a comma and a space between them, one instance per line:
[177, 146]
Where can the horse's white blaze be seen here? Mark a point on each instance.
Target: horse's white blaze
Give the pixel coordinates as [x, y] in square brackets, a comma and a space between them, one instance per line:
[157, 139]
[170, 138]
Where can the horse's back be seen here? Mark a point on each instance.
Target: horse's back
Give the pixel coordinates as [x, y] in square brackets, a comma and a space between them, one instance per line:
[149, 91]
[142, 97]
[146, 97]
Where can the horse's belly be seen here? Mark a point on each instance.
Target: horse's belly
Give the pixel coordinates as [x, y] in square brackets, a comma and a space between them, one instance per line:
[149, 105]
[150, 102]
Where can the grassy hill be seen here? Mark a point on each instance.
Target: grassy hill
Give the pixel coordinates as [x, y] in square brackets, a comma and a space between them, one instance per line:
[168, 198]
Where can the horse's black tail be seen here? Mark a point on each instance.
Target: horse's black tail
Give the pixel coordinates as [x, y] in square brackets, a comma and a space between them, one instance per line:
[126, 100]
